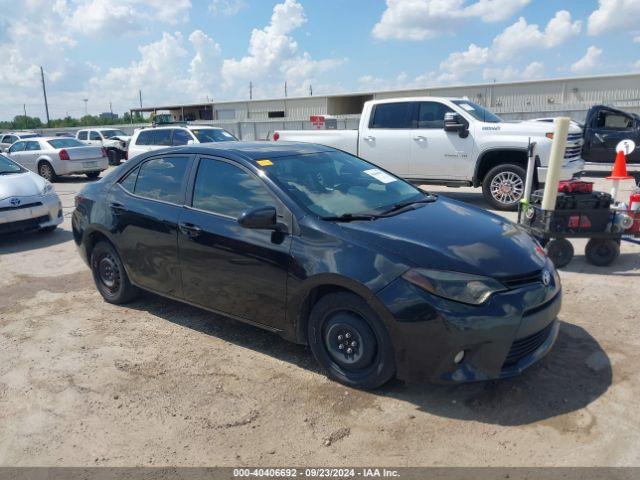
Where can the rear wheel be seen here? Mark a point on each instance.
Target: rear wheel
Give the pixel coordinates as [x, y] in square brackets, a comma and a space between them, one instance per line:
[350, 342]
[602, 252]
[110, 276]
[560, 251]
[92, 175]
[46, 171]
[503, 186]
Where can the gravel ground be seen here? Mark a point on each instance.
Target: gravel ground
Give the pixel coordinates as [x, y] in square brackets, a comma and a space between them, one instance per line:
[85, 383]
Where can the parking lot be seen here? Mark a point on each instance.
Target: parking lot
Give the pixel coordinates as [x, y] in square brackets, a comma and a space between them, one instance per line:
[157, 382]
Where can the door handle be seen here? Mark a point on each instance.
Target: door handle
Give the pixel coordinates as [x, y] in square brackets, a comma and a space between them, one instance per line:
[420, 138]
[189, 229]
[369, 138]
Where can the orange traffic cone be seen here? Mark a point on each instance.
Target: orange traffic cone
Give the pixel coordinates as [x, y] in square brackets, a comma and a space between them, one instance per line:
[619, 171]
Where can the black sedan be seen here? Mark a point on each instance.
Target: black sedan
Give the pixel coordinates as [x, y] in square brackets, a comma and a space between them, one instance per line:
[379, 278]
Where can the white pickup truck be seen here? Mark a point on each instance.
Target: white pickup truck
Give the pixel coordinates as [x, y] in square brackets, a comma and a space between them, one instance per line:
[450, 141]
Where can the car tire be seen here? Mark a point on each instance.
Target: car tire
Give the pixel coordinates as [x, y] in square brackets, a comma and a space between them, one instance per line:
[350, 342]
[109, 275]
[560, 252]
[92, 175]
[114, 157]
[601, 252]
[503, 186]
[46, 171]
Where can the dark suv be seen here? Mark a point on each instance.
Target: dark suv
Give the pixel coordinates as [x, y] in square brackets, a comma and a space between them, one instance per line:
[325, 249]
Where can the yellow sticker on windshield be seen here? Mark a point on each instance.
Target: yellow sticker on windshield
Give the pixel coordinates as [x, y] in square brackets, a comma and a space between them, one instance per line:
[264, 163]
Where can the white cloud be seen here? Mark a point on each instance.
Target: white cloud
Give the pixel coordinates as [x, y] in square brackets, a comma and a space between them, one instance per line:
[226, 7]
[523, 36]
[636, 65]
[510, 45]
[93, 17]
[273, 55]
[614, 15]
[423, 19]
[531, 71]
[589, 62]
[636, 39]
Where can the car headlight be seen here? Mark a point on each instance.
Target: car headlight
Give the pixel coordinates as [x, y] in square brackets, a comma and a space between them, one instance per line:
[47, 189]
[461, 287]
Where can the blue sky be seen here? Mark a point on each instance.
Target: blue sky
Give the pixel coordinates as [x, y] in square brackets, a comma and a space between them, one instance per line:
[191, 50]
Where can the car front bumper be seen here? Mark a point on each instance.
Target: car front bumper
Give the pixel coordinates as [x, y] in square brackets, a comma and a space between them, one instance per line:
[501, 338]
[569, 170]
[33, 213]
[68, 167]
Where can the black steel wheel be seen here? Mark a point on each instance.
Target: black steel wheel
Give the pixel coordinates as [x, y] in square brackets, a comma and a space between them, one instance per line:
[110, 276]
[114, 157]
[602, 252]
[560, 251]
[46, 171]
[350, 342]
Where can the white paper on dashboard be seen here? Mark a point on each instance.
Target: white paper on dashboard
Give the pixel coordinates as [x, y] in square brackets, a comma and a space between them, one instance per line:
[381, 176]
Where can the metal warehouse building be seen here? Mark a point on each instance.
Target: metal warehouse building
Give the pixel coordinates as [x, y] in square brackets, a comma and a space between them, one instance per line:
[254, 119]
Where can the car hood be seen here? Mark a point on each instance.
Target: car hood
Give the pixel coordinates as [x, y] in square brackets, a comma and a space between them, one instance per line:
[450, 235]
[24, 184]
[529, 127]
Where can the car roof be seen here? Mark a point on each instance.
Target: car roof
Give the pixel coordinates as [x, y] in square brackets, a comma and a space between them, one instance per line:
[252, 150]
[187, 127]
[17, 134]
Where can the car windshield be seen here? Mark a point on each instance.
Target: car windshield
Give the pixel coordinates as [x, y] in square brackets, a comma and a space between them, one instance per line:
[8, 167]
[478, 112]
[206, 135]
[335, 184]
[65, 143]
[113, 133]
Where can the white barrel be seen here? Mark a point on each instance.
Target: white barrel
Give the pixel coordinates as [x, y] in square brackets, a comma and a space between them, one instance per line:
[555, 163]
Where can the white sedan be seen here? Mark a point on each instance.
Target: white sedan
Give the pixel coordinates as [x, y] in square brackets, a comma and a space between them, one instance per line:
[52, 157]
[27, 201]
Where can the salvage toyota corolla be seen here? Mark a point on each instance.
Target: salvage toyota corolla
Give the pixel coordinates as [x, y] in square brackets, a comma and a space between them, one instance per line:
[325, 249]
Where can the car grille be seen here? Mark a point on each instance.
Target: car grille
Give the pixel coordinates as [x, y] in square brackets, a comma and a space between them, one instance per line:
[520, 280]
[22, 225]
[573, 152]
[527, 345]
[25, 205]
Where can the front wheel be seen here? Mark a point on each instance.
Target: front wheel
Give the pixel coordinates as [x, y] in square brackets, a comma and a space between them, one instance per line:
[110, 276]
[503, 186]
[92, 175]
[602, 252]
[114, 157]
[350, 342]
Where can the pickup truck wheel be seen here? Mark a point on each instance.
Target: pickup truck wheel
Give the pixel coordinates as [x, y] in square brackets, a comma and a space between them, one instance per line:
[114, 157]
[503, 186]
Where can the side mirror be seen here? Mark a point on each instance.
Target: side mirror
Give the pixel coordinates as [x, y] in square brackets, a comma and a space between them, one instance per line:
[454, 122]
[260, 218]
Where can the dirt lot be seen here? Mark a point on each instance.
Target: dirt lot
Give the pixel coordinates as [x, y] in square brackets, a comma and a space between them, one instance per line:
[160, 383]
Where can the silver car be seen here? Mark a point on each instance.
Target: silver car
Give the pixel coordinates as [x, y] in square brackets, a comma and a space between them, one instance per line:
[52, 157]
[27, 201]
[9, 138]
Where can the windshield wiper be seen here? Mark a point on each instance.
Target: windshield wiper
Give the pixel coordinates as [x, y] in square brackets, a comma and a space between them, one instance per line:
[399, 206]
[350, 217]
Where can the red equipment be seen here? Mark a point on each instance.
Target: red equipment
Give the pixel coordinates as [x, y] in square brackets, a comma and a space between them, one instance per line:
[575, 186]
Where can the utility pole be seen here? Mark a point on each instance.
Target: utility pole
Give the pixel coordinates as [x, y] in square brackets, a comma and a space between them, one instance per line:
[140, 95]
[111, 109]
[285, 89]
[310, 90]
[250, 90]
[24, 108]
[44, 92]
[85, 100]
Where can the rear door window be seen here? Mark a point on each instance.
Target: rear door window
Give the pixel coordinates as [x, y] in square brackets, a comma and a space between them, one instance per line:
[162, 179]
[392, 115]
[82, 135]
[32, 146]
[129, 182]
[144, 138]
